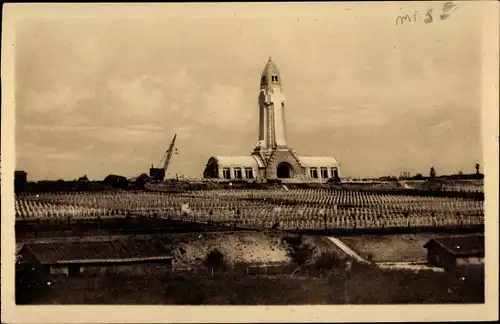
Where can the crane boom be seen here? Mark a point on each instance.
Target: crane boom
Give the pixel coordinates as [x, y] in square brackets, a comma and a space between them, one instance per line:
[170, 152]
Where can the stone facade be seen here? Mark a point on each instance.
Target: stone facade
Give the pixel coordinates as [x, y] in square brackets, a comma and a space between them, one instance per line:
[283, 158]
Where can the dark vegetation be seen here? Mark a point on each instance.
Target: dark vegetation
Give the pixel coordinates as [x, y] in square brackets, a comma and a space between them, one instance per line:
[299, 251]
[390, 230]
[215, 261]
[30, 283]
[307, 280]
[111, 226]
[324, 282]
[150, 225]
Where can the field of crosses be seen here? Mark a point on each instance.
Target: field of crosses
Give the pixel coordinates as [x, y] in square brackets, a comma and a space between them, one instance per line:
[292, 209]
[454, 186]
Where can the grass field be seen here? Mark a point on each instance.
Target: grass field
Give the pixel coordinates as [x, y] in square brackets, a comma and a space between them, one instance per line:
[391, 248]
[365, 285]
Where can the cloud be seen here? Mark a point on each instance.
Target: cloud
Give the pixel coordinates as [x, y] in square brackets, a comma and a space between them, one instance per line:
[56, 128]
[31, 150]
[224, 107]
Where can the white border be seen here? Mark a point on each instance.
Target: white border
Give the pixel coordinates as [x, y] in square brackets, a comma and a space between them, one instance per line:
[198, 314]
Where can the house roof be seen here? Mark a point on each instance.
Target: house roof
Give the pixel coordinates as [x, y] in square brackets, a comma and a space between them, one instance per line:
[118, 250]
[460, 245]
[318, 161]
[270, 68]
[237, 161]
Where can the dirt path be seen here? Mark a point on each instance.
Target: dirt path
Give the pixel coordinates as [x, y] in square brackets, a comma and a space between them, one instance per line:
[408, 266]
[414, 266]
[347, 250]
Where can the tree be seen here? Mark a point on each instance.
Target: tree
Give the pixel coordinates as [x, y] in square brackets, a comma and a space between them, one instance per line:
[432, 173]
[327, 261]
[299, 251]
[417, 176]
[215, 260]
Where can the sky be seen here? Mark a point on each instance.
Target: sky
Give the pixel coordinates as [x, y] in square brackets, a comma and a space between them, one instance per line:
[105, 95]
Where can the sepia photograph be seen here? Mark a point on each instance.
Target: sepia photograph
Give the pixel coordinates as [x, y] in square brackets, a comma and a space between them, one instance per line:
[237, 154]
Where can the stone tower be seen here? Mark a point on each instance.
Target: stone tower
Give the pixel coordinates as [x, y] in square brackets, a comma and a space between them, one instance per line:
[272, 109]
[272, 158]
[272, 146]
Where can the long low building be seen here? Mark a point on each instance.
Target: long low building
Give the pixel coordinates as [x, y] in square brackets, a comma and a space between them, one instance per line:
[272, 158]
[455, 251]
[74, 258]
[250, 167]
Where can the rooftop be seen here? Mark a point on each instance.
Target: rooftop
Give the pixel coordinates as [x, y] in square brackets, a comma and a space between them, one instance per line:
[460, 245]
[237, 161]
[270, 68]
[118, 250]
[318, 161]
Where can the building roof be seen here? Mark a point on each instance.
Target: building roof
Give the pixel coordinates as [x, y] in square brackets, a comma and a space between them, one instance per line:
[118, 250]
[236, 161]
[470, 245]
[318, 161]
[270, 68]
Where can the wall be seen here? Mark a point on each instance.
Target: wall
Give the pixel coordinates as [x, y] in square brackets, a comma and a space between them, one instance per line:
[473, 260]
[215, 170]
[59, 270]
[284, 156]
[211, 170]
[131, 268]
[318, 168]
[438, 256]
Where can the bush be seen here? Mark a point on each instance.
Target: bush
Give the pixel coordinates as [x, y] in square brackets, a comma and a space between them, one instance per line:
[29, 284]
[187, 289]
[369, 257]
[299, 251]
[327, 261]
[215, 260]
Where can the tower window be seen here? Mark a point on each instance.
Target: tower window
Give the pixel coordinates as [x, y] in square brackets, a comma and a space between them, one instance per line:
[274, 78]
[335, 173]
[226, 173]
[237, 173]
[313, 172]
[249, 173]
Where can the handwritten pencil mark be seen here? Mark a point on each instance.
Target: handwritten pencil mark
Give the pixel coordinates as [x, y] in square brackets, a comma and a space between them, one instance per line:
[408, 18]
[448, 7]
[415, 14]
[429, 19]
[402, 19]
[445, 12]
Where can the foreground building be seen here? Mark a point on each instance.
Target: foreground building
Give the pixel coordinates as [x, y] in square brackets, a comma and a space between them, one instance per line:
[76, 258]
[272, 158]
[455, 251]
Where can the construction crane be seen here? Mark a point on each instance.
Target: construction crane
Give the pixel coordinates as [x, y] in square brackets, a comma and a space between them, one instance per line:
[159, 174]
